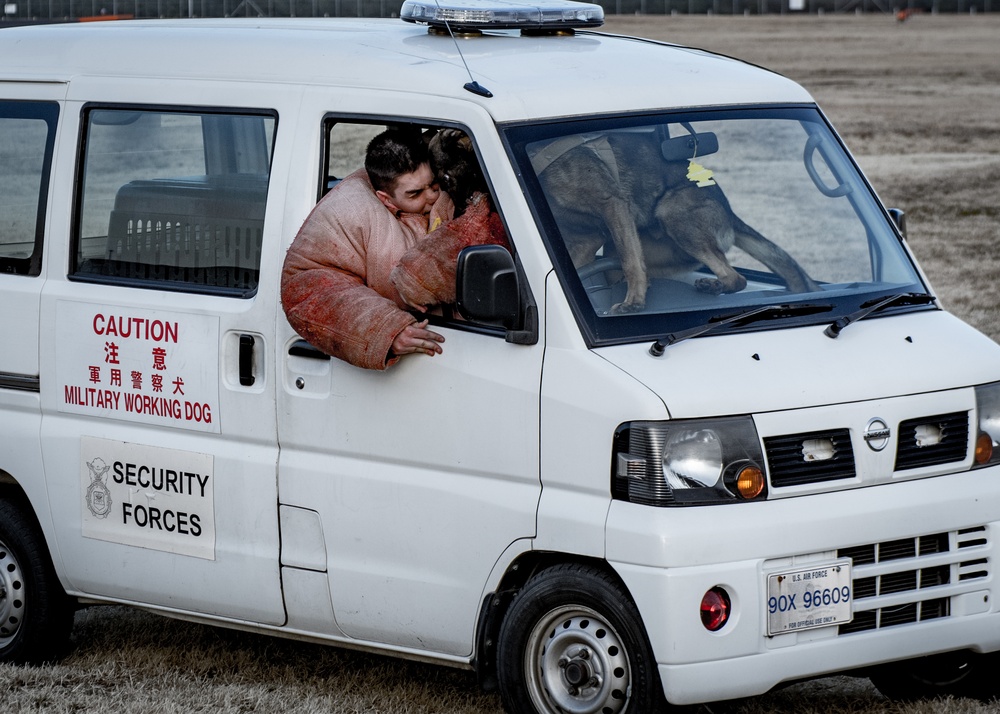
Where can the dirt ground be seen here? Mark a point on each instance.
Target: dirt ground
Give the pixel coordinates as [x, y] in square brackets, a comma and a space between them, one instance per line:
[917, 102]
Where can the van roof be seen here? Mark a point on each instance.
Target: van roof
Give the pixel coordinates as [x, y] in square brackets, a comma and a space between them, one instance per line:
[529, 76]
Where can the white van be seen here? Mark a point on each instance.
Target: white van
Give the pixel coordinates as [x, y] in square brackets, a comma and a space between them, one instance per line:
[602, 496]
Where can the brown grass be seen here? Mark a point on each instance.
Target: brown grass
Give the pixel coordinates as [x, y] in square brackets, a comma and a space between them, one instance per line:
[917, 102]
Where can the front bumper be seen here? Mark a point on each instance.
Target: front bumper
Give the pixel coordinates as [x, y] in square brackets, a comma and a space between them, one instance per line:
[922, 554]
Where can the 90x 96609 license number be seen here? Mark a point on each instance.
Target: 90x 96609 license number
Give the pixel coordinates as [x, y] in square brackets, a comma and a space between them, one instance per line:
[802, 599]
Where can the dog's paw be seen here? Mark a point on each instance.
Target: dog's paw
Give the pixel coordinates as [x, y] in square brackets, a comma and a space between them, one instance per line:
[710, 286]
[626, 308]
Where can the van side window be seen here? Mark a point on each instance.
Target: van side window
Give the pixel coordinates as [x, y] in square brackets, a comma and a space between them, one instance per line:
[27, 135]
[173, 200]
[344, 149]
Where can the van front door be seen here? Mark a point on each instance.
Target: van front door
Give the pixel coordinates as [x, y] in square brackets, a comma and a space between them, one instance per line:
[158, 403]
[407, 488]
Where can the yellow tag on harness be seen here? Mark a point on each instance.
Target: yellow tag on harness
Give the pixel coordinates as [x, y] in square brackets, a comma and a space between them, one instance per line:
[699, 175]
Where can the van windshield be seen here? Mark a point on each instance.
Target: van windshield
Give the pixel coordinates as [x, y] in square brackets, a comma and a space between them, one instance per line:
[658, 224]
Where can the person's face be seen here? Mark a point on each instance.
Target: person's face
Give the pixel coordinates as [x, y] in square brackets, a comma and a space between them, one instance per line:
[414, 192]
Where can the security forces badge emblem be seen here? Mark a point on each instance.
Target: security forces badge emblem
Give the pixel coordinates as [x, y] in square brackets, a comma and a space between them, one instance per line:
[98, 495]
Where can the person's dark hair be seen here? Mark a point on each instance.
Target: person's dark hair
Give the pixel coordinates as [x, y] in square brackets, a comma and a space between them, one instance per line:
[393, 153]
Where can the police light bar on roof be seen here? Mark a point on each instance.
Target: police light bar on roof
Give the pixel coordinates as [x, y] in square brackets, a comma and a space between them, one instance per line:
[503, 14]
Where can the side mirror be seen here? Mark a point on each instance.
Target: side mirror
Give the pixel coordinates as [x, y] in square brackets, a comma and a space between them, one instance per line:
[486, 286]
[899, 218]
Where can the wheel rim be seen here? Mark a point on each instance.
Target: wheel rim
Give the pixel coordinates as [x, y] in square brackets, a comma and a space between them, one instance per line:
[11, 596]
[575, 663]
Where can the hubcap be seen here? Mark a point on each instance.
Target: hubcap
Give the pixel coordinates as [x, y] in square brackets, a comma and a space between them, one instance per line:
[11, 596]
[575, 663]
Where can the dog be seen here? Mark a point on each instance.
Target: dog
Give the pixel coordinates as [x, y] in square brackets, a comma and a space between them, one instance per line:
[455, 166]
[624, 190]
[625, 187]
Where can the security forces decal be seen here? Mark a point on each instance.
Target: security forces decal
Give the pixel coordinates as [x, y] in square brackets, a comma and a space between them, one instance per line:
[148, 497]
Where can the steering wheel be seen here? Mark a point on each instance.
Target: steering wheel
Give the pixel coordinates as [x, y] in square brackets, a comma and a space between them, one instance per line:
[598, 267]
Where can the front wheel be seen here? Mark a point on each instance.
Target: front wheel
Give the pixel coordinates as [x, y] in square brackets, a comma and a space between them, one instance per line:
[954, 674]
[35, 614]
[573, 643]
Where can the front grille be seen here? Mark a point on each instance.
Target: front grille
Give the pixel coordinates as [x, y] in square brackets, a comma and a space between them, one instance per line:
[913, 579]
[932, 440]
[822, 456]
[789, 464]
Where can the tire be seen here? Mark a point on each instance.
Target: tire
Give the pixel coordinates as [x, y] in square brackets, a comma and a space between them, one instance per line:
[36, 616]
[573, 642]
[954, 674]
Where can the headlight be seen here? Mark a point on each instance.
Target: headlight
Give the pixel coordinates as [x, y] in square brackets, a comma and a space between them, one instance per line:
[988, 408]
[692, 458]
[688, 462]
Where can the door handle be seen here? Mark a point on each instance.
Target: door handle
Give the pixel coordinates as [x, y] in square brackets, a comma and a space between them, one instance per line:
[301, 348]
[246, 360]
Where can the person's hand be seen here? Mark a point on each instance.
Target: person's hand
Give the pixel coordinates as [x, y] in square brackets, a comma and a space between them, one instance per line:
[415, 306]
[417, 338]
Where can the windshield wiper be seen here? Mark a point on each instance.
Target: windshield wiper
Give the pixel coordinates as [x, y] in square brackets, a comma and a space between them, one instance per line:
[835, 328]
[745, 317]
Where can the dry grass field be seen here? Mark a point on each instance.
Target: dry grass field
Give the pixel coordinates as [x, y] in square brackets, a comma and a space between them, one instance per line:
[916, 101]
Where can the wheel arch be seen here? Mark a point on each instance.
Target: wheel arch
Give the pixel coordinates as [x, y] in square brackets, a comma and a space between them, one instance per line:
[12, 491]
[11, 488]
[28, 491]
[37, 613]
[496, 604]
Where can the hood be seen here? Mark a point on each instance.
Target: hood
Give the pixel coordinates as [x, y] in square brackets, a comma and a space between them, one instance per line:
[774, 370]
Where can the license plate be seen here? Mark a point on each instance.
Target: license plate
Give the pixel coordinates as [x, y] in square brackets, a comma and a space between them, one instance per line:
[806, 598]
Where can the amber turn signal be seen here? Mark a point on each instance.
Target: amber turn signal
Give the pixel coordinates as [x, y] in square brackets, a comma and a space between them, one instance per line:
[750, 482]
[984, 448]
